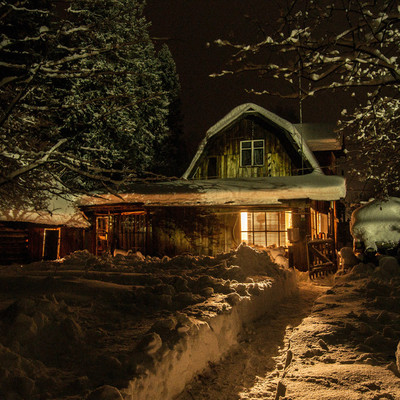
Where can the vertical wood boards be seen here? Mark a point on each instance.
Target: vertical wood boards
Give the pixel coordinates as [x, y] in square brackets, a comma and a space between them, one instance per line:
[225, 148]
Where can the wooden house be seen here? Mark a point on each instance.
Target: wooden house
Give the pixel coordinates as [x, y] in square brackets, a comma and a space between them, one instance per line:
[254, 179]
[28, 235]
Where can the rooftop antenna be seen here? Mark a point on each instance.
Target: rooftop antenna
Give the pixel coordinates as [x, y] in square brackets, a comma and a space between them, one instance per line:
[301, 117]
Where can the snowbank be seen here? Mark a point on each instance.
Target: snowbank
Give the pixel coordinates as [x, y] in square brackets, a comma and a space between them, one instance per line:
[207, 340]
[377, 222]
[140, 324]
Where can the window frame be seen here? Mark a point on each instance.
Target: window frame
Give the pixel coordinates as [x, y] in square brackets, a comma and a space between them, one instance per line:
[252, 149]
[248, 235]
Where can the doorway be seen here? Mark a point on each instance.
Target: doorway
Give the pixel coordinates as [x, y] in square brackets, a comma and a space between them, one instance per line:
[51, 244]
[102, 230]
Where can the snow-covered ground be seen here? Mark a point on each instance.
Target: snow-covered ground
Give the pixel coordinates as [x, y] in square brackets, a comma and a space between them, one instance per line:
[229, 327]
[143, 325]
[336, 340]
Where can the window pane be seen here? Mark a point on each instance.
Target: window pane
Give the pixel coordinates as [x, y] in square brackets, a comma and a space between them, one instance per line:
[259, 239]
[282, 224]
[259, 221]
[283, 238]
[246, 157]
[272, 238]
[250, 238]
[272, 221]
[250, 226]
[288, 220]
[258, 143]
[258, 156]
[245, 145]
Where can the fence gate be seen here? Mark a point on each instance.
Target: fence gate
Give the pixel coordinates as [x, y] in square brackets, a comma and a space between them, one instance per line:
[321, 257]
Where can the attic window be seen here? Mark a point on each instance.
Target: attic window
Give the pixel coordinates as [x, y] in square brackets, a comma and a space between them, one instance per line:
[251, 153]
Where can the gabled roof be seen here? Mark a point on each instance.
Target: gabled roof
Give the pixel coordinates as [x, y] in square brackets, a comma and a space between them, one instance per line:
[252, 109]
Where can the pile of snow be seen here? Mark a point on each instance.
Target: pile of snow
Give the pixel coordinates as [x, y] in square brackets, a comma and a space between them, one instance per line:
[37, 334]
[377, 222]
[387, 268]
[347, 258]
[143, 324]
[233, 191]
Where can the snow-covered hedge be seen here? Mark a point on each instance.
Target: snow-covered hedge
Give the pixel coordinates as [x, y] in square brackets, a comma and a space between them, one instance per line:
[377, 223]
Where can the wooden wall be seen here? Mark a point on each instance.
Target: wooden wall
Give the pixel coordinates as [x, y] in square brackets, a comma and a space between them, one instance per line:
[72, 239]
[194, 230]
[22, 242]
[13, 243]
[201, 230]
[225, 147]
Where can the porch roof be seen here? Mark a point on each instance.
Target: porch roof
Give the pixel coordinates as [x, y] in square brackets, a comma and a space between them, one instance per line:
[218, 192]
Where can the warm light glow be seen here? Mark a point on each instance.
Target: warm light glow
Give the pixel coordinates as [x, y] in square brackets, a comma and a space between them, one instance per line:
[288, 220]
[288, 225]
[319, 222]
[243, 226]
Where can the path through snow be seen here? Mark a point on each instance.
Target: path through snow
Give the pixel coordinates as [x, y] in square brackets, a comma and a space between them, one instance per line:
[252, 369]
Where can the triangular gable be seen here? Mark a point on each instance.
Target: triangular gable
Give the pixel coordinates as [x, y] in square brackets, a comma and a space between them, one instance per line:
[252, 109]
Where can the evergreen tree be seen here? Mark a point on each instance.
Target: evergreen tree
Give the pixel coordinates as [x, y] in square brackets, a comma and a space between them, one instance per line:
[82, 97]
[172, 149]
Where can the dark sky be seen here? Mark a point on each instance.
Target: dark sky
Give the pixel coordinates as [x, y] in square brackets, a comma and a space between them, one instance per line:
[189, 25]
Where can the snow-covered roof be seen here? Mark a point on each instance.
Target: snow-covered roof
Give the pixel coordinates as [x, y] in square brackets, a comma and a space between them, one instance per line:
[234, 192]
[61, 212]
[377, 221]
[320, 136]
[253, 109]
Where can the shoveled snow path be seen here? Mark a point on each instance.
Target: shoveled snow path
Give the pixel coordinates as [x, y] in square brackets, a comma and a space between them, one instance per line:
[252, 369]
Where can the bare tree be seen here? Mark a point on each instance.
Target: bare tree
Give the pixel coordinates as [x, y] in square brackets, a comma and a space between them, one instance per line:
[337, 45]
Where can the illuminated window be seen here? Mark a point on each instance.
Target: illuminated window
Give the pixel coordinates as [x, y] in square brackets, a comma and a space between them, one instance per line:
[251, 153]
[265, 228]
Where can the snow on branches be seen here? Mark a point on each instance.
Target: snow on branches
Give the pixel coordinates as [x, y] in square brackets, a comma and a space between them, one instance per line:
[337, 45]
[82, 100]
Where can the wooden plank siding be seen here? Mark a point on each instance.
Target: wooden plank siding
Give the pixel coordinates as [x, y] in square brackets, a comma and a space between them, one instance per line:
[123, 228]
[225, 148]
[13, 243]
[179, 230]
[22, 242]
[71, 239]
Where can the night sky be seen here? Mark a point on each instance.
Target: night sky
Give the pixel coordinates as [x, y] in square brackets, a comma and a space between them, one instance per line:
[188, 26]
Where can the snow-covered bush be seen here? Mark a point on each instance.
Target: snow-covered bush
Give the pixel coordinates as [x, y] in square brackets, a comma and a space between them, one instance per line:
[377, 224]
